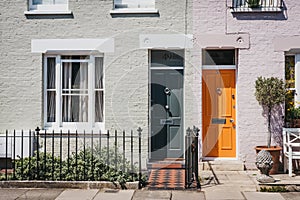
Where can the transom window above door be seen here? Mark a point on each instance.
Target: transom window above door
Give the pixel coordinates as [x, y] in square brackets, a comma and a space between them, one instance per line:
[218, 57]
[48, 5]
[74, 92]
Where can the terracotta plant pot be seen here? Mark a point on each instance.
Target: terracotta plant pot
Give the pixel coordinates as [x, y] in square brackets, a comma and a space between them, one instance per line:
[275, 152]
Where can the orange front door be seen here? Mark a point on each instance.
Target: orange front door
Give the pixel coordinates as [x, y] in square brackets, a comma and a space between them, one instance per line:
[218, 118]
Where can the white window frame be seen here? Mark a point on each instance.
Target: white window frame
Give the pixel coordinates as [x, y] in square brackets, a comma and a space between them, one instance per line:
[141, 7]
[297, 80]
[48, 8]
[72, 126]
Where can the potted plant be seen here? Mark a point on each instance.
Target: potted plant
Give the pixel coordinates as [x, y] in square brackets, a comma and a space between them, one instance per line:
[270, 92]
[253, 3]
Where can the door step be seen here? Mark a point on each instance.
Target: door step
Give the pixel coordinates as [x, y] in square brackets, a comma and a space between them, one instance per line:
[222, 165]
[166, 165]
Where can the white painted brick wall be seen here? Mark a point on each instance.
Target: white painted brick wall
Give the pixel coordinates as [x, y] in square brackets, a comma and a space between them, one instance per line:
[215, 17]
[126, 70]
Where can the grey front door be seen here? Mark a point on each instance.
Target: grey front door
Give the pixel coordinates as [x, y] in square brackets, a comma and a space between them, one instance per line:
[166, 113]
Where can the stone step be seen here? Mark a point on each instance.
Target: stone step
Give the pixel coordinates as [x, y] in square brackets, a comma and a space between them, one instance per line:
[166, 165]
[222, 165]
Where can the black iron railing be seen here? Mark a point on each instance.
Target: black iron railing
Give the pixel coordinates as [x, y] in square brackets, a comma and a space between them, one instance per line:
[264, 5]
[191, 158]
[45, 155]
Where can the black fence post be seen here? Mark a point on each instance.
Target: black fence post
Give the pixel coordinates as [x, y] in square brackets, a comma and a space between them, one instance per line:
[92, 154]
[107, 147]
[131, 153]
[30, 152]
[196, 150]
[60, 155]
[76, 148]
[68, 161]
[37, 152]
[123, 168]
[84, 157]
[52, 155]
[22, 153]
[187, 158]
[45, 152]
[14, 166]
[116, 150]
[140, 156]
[6, 148]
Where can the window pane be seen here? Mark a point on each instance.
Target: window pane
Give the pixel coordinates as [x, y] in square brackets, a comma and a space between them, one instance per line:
[75, 108]
[98, 106]
[51, 62]
[61, 1]
[75, 76]
[49, 2]
[44, 2]
[161, 58]
[218, 57]
[290, 71]
[51, 96]
[98, 73]
[134, 3]
[80, 57]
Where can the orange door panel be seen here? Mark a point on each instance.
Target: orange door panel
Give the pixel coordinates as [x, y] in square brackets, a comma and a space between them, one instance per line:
[218, 101]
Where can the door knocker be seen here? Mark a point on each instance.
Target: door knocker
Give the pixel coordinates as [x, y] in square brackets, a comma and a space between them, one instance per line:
[167, 91]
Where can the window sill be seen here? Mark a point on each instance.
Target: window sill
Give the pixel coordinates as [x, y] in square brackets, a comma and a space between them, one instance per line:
[48, 12]
[134, 11]
[262, 9]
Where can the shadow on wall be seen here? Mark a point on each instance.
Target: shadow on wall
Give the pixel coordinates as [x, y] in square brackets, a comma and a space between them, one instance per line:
[277, 122]
[262, 15]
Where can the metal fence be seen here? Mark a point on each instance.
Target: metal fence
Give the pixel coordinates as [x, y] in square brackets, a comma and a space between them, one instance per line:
[191, 158]
[44, 155]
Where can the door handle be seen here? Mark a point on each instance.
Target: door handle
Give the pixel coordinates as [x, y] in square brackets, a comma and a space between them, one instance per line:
[231, 120]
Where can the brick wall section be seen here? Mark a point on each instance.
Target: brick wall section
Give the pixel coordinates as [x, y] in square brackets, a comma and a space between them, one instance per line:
[126, 70]
[215, 17]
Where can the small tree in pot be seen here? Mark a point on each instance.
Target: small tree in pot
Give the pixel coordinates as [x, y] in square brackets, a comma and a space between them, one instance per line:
[270, 92]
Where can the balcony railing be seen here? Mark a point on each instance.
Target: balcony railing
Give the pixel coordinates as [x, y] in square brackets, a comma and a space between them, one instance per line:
[257, 5]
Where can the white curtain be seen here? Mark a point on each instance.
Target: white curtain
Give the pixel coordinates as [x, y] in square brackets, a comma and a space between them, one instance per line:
[75, 92]
[51, 89]
[98, 89]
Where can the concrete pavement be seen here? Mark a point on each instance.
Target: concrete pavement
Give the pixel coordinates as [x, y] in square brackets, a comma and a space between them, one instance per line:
[220, 185]
[92, 194]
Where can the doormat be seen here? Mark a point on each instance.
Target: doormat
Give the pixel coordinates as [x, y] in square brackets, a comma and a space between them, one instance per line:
[173, 179]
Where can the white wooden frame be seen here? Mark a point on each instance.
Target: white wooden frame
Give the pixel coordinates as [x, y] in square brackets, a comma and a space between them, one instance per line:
[291, 147]
[58, 124]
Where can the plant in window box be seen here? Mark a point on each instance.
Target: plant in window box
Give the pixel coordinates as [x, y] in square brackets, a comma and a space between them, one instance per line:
[253, 3]
[270, 94]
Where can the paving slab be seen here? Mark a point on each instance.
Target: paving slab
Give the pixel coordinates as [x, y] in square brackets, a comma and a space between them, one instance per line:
[9, 194]
[223, 192]
[114, 195]
[262, 195]
[180, 195]
[80, 194]
[41, 194]
[291, 195]
[151, 195]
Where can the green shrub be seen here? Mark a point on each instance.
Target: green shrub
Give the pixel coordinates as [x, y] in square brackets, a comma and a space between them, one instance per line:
[85, 166]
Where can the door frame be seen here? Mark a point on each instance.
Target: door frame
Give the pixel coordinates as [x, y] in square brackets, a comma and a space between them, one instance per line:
[149, 97]
[222, 67]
